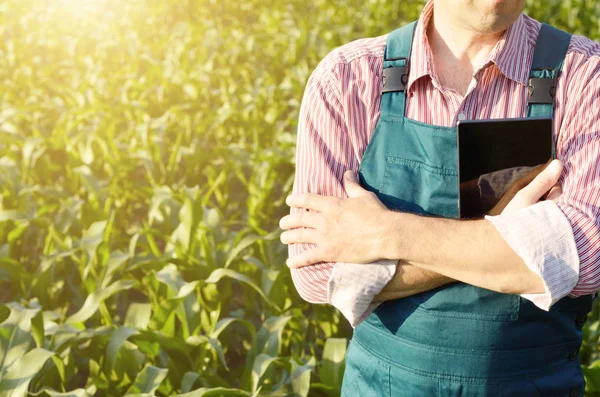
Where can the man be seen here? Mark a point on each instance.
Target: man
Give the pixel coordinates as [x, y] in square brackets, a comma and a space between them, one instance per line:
[507, 327]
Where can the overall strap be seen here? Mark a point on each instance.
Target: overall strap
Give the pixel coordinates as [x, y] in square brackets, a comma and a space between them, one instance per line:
[396, 63]
[550, 51]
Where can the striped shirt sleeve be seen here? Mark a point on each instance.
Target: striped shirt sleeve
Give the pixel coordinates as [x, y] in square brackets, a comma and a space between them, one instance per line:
[541, 235]
[561, 242]
[324, 151]
[323, 154]
[578, 147]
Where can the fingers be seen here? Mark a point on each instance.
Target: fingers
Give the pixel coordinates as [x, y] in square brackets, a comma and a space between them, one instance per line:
[351, 184]
[309, 201]
[299, 236]
[542, 183]
[530, 176]
[555, 193]
[306, 258]
[300, 219]
[321, 203]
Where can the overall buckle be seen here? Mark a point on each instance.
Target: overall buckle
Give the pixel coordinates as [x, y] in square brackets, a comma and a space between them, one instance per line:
[542, 90]
[394, 79]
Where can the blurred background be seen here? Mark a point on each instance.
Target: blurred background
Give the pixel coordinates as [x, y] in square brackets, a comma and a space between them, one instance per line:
[146, 149]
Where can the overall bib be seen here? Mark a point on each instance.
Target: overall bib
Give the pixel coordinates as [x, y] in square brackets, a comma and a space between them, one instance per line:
[457, 340]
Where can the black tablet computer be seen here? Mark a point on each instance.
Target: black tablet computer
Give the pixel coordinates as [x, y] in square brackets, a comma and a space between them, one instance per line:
[501, 149]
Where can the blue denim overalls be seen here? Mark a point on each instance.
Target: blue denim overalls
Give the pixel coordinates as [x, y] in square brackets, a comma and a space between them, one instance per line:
[457, 340]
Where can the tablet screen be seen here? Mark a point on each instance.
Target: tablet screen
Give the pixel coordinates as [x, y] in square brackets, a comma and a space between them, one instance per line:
[501, 151]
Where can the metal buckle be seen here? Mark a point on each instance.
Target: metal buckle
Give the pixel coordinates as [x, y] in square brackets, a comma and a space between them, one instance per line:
[394, 79]
[542, 90]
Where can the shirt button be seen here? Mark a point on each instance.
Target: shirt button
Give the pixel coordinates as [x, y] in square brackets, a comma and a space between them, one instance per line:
[575, 392]
[573, 353]
[462, 116]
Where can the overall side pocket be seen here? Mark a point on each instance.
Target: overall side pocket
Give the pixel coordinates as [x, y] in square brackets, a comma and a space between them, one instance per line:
[365, 375]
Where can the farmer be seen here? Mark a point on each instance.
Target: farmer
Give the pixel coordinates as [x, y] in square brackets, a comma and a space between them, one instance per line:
[492, 306]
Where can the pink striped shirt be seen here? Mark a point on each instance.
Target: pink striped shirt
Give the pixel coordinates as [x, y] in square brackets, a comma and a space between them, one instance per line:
[341, 108]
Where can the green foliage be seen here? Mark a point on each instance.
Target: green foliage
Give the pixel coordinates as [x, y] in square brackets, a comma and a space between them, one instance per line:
[146, 150]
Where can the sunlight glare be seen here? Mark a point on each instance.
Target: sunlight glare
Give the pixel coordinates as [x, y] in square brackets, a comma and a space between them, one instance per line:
[80, 7]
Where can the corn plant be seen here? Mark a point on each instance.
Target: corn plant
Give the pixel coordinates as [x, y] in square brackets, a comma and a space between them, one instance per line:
[146, 149]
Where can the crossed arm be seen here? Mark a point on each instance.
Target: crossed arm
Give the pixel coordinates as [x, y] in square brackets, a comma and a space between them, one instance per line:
[438, 251]
[432, 251]
[411, 279]
[325, 150]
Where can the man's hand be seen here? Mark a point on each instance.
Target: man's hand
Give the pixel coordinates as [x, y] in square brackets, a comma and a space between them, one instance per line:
[348, 230]
[353, 229]
[531, 188]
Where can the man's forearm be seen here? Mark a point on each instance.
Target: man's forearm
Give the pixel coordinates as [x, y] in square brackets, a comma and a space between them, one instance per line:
[473, 252]
[360, 229]
[410, 280]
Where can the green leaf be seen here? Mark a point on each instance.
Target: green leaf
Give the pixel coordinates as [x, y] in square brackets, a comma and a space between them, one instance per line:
[67, 335]
[93, 184]
[92, 303]
[268, 341]
[269, 278]
[141, 395]
[92, 237]
[224, 323]
[261, 365]
[12, 215]
[10, 269]
[37, 329]
[592, 377]
[16, 380]
[186, 289]
[269, 336]
[212, 219]
[325, 389]
[170, 276]
[216, 392]
[15, 337]
[197, 340]
[188, 381]
[148, 380]
[190, 216]
[138, 315]
[60, 368]
[115, 262]
[301, 377]
[332, 367]
[218, 274]
[53, 393]
[239, 247]
[187, 312]
[173, 345]
[117, 339]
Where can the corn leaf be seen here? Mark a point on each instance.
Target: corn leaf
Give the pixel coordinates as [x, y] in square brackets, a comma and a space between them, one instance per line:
[148, 380]
[332, 366]
[16, 380]
[93, 301]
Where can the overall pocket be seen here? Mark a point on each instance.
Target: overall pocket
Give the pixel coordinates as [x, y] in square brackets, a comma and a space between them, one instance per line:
[419, 188]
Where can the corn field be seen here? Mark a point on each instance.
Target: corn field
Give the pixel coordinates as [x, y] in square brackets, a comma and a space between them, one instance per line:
[146, 150]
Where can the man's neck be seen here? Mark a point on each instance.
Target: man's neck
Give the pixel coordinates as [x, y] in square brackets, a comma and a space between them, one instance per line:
[457, 51]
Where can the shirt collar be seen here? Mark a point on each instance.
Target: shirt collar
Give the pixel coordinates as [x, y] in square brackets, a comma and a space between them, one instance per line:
[511, 55]
[514, 51]
[421, 58]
